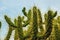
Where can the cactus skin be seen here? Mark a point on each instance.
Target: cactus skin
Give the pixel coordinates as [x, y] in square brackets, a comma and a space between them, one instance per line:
[0, 24]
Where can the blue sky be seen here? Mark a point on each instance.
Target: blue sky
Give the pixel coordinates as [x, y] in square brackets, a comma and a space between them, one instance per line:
[13, 8]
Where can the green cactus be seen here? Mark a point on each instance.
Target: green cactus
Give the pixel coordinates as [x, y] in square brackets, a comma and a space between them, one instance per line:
[18, 27]
[49, 25]
[34, 20]
[28, 15]
[16, 36]
[58, 18]
[35, 24]
[57, 28]
[45, 21]
[8, 20]
[57, 32]
[40, 22]
[9, 33]
[20, 30]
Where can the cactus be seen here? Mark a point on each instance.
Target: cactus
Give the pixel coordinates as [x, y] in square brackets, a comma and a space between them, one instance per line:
[49, 25]
[16, 36]
[45, 21]
[35, 24]
[20, 30]
[57, 28]
[58, 18]
[9, 33]
[40, 22]
[34, 20]
[57, 32]
[28, 15]
[17, 27]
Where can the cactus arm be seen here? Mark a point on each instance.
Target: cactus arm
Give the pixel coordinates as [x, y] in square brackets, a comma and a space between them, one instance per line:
[54, 14]
[40, 21]
[0, 24]
[29, 32]
[24, 11]
[28, 17]
[20, 30]
[9, 21]
[9, 33]
[45, 22]
[34, 28]
[49, 25]
[49, 30]
[16, 36]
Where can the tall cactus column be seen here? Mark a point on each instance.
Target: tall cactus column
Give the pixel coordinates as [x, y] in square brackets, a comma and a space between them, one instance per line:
[35, 24]
[40, 21]
[16, 36]
[20, 30]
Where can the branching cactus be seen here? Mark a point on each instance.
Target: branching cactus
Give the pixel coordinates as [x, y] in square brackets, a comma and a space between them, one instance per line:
[9, 31]
[35, 25]
[18, 26]
[34, 20]
[51, 15]
[27, 14]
